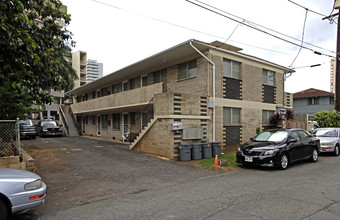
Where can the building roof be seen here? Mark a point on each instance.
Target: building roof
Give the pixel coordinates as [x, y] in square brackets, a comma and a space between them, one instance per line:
[311, 93]
[169, 56]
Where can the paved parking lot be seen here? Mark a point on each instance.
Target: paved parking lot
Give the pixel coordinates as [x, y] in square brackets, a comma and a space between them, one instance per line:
[80, 170]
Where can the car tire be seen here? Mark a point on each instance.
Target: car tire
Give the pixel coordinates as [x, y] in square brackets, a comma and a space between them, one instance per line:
[314, 156]
[336, 150]
[3, 210]
[283, 161]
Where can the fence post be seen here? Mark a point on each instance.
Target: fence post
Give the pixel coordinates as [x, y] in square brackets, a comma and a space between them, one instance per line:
[17, 125]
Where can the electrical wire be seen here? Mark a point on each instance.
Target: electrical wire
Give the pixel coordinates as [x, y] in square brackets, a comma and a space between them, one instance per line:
[230, 34]
[187, 28]
[256, 28]
[261, 26]
[302, 38]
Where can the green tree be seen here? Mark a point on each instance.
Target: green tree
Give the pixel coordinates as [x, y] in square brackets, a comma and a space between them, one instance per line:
[326, 119]
[33, 43]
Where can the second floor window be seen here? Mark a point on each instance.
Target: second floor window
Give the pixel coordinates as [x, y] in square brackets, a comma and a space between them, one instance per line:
[160, 76]
[231, 116]
[231, 69]
[313, 101]
[116, 88]
[268, 77]
[145, 81]
[266, 114]
[187, 70]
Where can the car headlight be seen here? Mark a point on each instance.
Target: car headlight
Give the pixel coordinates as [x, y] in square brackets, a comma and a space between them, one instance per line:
[33, 185]
[271, 152]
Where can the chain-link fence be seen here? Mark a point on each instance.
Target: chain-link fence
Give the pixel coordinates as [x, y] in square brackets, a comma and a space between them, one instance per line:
[9, 138]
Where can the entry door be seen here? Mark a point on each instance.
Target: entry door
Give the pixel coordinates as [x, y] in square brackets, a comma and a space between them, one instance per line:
[125, 123]
[98, 125]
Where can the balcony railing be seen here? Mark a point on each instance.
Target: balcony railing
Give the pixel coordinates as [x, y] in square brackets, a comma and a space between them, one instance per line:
[131, 98]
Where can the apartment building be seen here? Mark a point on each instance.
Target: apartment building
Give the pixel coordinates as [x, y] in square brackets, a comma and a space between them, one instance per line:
[194, 92]
[94, 70]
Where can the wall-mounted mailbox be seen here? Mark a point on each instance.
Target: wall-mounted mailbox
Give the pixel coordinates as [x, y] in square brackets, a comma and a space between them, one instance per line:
[176, 126]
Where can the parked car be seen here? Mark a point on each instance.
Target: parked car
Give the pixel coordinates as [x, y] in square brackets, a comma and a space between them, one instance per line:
[49, 128]
[19, 190]
[27, 129]
[329, 139]
[279, 148]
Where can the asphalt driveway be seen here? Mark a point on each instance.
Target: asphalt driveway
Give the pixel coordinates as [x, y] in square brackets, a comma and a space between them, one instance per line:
[80, 171]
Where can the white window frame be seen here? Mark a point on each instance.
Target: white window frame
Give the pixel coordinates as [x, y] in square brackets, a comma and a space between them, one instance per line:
[229, 70]
[266, 75]
[233, 121]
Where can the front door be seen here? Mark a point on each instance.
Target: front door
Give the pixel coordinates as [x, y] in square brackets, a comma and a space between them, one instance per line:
[98, 125]
[125, 123]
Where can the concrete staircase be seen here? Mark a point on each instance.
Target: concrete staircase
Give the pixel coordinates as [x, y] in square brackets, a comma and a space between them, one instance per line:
[72, 130]
[142, 133]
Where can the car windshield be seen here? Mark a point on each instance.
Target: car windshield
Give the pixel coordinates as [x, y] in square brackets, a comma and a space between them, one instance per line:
[48, 123]
[272, 136]
[25, 122]
[325, 133]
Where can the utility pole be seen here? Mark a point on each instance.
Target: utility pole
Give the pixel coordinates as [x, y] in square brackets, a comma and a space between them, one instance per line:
[337, 63]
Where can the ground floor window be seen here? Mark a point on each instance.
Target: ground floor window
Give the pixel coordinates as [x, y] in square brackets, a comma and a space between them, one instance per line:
[116, 121]
[231, 116]
[105, 121]
[266, 114]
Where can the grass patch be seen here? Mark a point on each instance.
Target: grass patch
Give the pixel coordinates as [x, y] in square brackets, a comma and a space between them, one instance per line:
[230, 157]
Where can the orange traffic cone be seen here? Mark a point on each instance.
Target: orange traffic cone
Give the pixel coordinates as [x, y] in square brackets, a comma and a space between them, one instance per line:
[216, 161]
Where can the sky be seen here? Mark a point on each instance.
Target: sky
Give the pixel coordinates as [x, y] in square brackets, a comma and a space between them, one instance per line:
[119, 33]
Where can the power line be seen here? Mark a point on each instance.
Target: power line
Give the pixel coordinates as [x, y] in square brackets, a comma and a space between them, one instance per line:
[261, 26]
[302, 38]
[187, 28]
[256, 28]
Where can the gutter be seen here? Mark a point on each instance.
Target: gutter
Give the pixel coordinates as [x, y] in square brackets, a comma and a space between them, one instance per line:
[214, 87]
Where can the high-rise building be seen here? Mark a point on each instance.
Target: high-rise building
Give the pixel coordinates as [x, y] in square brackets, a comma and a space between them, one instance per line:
[94, 70]
[332, 70]
[79, 62]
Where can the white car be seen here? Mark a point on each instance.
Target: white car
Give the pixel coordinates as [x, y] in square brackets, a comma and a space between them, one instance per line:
[329, 139]
[19, 190]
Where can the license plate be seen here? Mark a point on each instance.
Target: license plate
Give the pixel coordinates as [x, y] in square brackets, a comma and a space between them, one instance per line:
[248, 159]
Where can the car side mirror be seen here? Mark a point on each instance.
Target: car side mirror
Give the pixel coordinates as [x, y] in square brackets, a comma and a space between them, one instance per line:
[251, 139]
[292, 140]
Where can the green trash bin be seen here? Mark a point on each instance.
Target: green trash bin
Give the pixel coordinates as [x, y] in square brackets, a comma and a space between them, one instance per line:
[184, 152]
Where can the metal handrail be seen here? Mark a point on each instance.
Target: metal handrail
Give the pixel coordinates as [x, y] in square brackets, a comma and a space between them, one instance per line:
[63, 119]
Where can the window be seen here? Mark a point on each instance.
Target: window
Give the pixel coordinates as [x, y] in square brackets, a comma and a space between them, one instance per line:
[313, 101]
[98, 93]
[116, 121]
[116, 88]
[187, 70]
[160, 76]
[93, 94]
[104, 121]
[125, 86]
[132, 83]
[104, 92]
[266, 114]
[331, 100]
[303, 135]
[93, 119]
[268, 77]
[231, 116]
[145, 80]
[231, 69]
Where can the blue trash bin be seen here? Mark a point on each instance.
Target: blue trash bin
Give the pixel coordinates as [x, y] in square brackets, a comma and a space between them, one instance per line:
[216, 148]
[206, 151]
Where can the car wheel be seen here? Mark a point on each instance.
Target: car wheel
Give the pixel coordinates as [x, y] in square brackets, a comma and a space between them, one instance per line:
[336, 150]
[284, 162]
[3, 210]
[314, 156]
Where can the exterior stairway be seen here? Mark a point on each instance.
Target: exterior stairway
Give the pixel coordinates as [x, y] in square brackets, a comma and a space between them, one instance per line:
[72, 130]
[142, 133]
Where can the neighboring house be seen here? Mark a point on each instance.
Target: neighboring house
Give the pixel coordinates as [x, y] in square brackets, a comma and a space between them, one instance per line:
[310, 101]
[94, 70]
[215, 92]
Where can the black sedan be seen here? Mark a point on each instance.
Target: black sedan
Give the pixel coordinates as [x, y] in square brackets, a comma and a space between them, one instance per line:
[49, 128]
[279, 148]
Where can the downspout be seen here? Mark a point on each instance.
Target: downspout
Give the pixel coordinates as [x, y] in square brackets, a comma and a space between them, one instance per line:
[214, 87]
